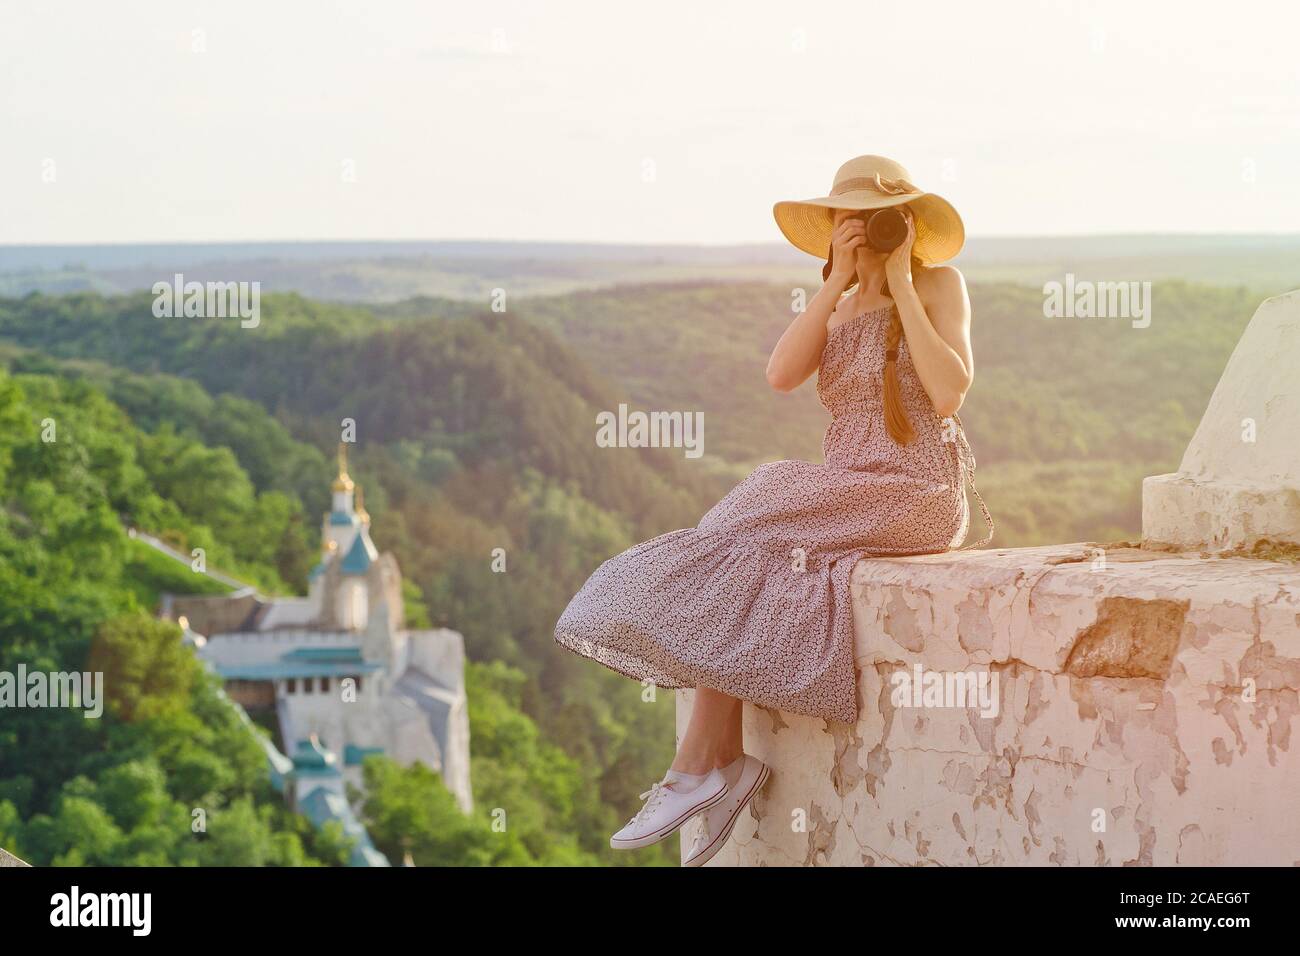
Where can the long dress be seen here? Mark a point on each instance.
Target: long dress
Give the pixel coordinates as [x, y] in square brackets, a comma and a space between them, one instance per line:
[754, 600]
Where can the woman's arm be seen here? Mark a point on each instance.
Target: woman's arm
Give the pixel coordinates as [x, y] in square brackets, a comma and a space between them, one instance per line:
[936, 321]
[799, 351]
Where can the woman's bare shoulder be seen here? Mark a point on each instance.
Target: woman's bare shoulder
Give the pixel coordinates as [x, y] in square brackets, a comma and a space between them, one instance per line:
[940, 284]
[939, 277]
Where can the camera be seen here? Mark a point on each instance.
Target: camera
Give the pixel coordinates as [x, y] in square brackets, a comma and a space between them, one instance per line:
[886, 229]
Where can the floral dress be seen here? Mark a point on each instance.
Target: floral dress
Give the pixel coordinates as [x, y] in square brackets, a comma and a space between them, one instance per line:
[754, 600]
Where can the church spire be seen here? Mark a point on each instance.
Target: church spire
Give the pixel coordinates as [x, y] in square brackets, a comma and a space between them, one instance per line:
[343, 482]
[362, 513]
[344, 519]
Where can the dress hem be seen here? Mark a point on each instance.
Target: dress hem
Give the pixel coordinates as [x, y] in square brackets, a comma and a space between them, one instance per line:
[590, 650]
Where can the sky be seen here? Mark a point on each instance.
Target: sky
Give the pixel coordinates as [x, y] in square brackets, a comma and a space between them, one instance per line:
[176, 120]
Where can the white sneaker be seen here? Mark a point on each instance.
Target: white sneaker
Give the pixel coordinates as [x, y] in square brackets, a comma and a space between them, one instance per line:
[666, 809]
[716, 825]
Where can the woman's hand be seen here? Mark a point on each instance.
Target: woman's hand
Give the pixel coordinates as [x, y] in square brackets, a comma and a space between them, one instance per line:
[898, 267]
[849, 236]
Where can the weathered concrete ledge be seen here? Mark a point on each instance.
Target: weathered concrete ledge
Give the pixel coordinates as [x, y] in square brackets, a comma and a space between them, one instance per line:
[1144, 710]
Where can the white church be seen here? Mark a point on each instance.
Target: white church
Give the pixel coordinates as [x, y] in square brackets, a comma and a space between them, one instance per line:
[342, 674]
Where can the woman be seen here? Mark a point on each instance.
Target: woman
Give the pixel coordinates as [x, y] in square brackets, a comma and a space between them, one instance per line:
[753, 603]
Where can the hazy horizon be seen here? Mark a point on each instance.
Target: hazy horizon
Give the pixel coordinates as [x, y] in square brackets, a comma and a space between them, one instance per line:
[469, 270]
[621, 243]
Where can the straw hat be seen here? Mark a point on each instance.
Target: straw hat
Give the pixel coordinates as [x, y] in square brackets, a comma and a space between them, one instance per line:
[873, 182]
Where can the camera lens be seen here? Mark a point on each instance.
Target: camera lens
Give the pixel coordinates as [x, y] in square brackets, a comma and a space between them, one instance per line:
[886, 229]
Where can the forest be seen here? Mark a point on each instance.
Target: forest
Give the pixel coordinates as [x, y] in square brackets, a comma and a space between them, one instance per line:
[476, 432]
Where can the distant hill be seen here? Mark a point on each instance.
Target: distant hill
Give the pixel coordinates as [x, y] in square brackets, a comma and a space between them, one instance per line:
[471, 270]
[1056, 402]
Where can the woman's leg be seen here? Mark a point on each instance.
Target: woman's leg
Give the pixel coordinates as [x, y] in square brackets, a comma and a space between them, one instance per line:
[713, 739]
[714, 736]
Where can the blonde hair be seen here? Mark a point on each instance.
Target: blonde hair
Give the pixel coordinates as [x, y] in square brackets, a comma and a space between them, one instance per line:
[897, 423]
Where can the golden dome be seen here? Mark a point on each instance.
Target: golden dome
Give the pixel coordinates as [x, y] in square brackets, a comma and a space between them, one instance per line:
[343, 482]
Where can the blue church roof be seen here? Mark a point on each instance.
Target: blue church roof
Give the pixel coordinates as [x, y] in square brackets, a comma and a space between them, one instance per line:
[354, 756]
[340, 654]
[309, 757]
[305, 662]
[358, 558]
[320, 806]
[341, 518]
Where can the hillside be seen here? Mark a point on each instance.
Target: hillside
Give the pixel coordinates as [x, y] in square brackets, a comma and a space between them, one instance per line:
[451, 391]
[473, 436]
[75, 593]
[117, 791]
[1066, 416]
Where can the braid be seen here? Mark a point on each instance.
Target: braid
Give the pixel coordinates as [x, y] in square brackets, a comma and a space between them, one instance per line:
[896, 421]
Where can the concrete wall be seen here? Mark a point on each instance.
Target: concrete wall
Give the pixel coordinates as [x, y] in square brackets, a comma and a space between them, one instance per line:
[1144, 708]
